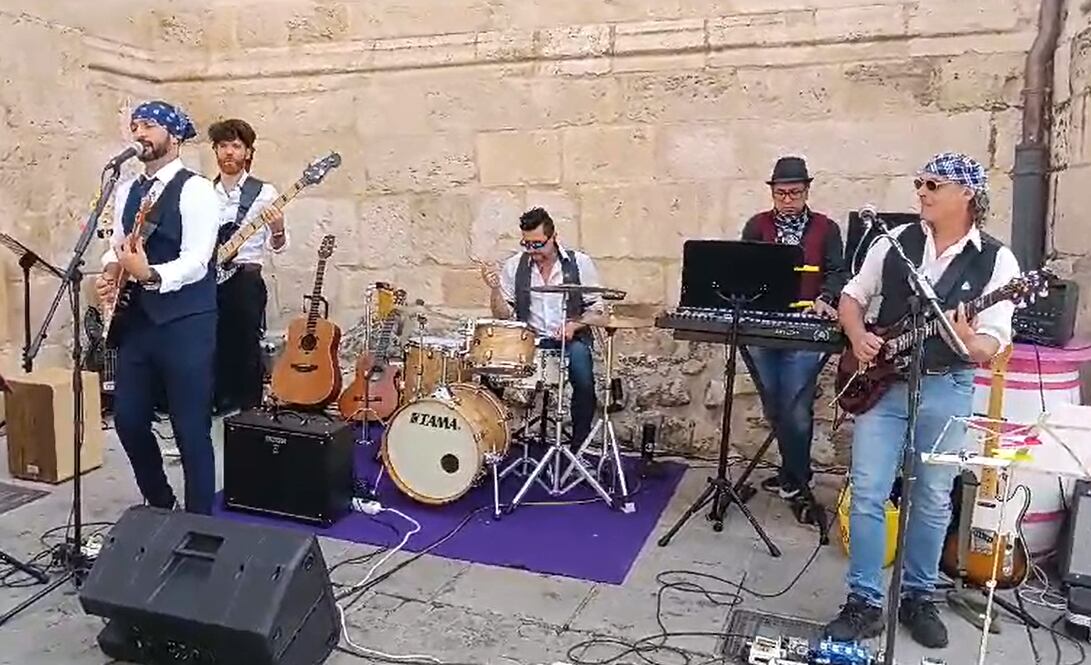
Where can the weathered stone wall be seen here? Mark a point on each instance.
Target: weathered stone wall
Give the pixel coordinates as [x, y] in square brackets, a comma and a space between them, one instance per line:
[637, 123]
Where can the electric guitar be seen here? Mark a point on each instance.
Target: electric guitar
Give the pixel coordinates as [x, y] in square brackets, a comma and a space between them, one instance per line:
[98, 357]
[373, 394]
[989, 545]
[114, 311]
[312, 175]
[308, 373]
[860, 387]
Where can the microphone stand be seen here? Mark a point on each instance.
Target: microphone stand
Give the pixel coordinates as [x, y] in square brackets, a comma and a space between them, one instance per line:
[921, 301]
[71, 554]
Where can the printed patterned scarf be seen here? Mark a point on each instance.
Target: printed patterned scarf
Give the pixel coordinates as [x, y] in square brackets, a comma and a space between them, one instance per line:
[790, 227]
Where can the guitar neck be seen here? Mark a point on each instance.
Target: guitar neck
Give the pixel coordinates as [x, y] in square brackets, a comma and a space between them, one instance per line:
[990, 486]
[902, 342]
[316, 296]
[247, 231]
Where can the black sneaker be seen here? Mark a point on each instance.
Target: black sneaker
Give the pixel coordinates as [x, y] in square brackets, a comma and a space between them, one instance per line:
[921, 616]
[857, 621]
[785, 489]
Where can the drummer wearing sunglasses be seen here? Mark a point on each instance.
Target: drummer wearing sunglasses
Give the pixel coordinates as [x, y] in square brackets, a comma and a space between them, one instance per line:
[543, 261]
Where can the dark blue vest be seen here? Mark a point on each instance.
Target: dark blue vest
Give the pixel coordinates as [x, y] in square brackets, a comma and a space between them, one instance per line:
[164, 224]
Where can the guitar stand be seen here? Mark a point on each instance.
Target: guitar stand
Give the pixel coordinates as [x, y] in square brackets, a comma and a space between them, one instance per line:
[720, 491]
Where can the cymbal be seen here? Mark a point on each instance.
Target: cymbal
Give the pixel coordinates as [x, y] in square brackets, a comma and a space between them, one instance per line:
[609, 294]
[623, 315]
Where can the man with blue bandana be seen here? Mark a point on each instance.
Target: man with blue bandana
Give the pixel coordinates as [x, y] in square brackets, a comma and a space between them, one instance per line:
[962, 263]
[166, 334]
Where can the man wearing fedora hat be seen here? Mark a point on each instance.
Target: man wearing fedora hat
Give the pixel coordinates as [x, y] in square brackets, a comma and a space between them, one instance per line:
[787, 376]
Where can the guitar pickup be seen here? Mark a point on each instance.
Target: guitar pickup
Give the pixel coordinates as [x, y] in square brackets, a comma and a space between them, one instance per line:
[304, 368]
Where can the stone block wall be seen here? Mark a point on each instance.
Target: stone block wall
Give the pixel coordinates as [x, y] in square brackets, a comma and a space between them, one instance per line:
[637, 123]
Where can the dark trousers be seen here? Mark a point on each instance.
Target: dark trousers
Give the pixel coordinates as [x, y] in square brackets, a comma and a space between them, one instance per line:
[581, 376]
[240, 372]
[177, 356]
[788, 399]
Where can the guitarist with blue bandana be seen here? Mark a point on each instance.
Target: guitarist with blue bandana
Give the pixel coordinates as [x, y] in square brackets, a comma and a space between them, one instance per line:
[963, 264]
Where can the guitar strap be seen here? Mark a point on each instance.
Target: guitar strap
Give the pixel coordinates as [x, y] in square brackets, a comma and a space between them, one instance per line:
[251, 188]
[151, 222]
[957, 270]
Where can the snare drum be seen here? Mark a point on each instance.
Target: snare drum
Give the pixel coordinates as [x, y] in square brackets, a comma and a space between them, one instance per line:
[547, 371]
[435, 448]
[431, 362]
[504, 348]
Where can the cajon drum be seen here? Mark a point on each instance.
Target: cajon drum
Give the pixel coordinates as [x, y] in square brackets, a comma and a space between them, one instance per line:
[40, 423]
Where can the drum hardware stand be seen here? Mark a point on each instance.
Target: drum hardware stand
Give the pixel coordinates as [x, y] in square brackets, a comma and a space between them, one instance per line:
[609, 438]
[555, 451]
[519, 466]
[720, 491]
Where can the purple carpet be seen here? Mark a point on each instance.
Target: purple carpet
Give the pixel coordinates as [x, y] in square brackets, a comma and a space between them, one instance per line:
[586, 541]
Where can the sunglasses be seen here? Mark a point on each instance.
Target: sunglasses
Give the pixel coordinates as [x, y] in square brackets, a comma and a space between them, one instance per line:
[930, 185]
[534, 244]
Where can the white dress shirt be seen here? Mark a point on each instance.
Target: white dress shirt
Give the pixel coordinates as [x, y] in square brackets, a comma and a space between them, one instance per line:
[865, 288]
[254, 247]
[200, 212]
[547, 315]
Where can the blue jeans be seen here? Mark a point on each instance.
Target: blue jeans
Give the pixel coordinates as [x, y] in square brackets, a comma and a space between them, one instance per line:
[877, 446]
[581, 376]
[788, 393]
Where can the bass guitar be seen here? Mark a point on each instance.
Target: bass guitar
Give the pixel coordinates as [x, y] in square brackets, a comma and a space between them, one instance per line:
[308, 372]
[312, 175]
[114, 310]
[373, 394]
[989, 546]
[859, 387]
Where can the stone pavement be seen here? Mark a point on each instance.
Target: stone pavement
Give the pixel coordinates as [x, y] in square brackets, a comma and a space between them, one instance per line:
[468, 613]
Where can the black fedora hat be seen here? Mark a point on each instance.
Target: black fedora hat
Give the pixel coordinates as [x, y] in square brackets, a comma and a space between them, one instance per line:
[789, 169]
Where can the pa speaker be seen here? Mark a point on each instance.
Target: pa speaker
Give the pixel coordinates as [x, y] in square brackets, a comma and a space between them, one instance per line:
[1076, 551]
[184, 588]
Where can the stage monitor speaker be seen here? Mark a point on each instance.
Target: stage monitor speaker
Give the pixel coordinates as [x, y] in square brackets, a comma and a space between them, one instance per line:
[859, 238]
[1076, 550]
[183, 588]
[41, 420]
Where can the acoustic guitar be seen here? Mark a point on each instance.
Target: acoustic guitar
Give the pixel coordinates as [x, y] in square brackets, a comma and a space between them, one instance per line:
[114, 312]
[990, 546]
[373, 394]
[308, 373]
[312, 175]
[859, 388]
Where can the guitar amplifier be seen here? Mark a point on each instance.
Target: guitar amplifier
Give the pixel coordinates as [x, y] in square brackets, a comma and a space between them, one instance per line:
[291, 464]
[1050, 321]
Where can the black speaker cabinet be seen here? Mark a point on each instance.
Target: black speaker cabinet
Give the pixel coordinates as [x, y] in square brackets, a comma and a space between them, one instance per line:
[1076, 550]
[184, 588]
[288, 464]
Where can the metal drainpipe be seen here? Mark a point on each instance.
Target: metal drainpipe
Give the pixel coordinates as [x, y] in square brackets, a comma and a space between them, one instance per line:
[1030, 176]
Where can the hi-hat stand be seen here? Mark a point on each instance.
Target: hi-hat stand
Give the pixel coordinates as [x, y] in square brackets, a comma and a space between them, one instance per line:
[721, 491]
[70, 553]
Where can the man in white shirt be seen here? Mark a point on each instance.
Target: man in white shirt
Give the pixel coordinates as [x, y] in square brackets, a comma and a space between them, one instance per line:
[962, 264]
[544, 262]
[240, 372]
[165, 330]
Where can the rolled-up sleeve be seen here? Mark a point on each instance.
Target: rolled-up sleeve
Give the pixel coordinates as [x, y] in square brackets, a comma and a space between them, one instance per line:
[867, 283]
[200, 209]
[996, 320]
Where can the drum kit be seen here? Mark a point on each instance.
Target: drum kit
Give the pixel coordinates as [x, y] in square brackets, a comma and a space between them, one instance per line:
[451, 431]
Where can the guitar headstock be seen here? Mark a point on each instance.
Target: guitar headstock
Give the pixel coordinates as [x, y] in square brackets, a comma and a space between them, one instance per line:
[317, 170]
[325, 250]
[389, 299]
[1025, 289]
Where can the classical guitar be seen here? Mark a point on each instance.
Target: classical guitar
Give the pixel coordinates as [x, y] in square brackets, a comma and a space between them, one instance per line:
[990, 546]
[373, 394]
[312, 175]
[308, 373]
[114, 311]
[860, 387]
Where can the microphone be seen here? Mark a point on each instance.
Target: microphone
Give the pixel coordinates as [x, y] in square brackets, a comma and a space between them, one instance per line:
[869, 216]
[135, 149]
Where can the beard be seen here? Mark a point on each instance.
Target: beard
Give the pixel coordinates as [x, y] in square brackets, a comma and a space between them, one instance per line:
[230, 166]
[153, 152]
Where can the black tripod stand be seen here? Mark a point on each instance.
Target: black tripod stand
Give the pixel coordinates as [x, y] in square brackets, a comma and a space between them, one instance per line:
[721, 491]
[70, 554]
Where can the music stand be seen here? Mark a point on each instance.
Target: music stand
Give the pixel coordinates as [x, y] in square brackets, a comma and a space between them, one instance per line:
[28, 261]
[718, 274]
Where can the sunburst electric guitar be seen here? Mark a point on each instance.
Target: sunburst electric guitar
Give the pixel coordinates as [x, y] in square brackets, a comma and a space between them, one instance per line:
[312, 175]
[990, 545]
[114, 312]
[373, 394]
[308, 372]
